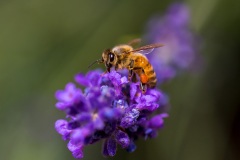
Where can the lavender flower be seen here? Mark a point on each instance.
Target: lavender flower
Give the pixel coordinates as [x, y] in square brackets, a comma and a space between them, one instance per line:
[179, 51]
[109, 108]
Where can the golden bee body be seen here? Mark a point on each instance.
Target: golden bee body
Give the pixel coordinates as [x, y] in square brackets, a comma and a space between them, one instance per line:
[140, 64]
[124, 56]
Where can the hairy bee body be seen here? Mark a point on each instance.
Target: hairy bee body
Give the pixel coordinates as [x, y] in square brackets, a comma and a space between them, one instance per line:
[136, 62]
[124, 56]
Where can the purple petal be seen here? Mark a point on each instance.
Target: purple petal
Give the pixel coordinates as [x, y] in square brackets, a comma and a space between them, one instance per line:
[81, 79]
[61, 128]
[104, 148]
[94, 77]
[156, 93]
[80, 135]
[122, 138]
[150, 133]
[62, 106]
[84, 117]
[73, 125]
[157, 121]
[109, 114]
[146, 102]
[107, 92]
[98, 123]
[124, 80]
[110, 147]
[132, 147]
[130, 118]
[115, 78]
[76, 149]
[121, 104]
[133, 91]
[149, 99]
[69, 95]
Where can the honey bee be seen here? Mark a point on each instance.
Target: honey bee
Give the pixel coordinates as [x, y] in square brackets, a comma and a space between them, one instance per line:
[125, 56]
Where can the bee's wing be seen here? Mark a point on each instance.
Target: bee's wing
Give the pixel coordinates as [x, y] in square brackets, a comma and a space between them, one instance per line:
[148, 48]
[134, 42]
[146, 51]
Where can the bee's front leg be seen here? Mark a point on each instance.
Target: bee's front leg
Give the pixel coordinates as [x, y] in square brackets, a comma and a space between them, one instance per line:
[130, 68]
[130, 74]
[116, 67]
[108, 67]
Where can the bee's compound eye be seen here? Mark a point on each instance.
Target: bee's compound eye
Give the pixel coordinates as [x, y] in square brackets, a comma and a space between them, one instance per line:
[111, 57]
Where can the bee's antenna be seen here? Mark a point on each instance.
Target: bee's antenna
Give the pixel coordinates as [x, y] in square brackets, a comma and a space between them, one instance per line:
[97, 61]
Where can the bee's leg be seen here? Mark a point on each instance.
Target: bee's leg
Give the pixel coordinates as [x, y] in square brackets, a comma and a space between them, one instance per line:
[143, 78]
[108, 66]
[107, 71]
[130, 67]
[134, 77]
[130, 74]
[143, 87]
[116, 67]
[104, 73]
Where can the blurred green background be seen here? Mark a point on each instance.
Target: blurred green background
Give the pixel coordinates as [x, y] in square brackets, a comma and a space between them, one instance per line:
[44, 43]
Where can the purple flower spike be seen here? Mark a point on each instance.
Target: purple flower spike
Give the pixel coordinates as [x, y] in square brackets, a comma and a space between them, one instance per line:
[111, 109]
[114, 110]
[179, 51]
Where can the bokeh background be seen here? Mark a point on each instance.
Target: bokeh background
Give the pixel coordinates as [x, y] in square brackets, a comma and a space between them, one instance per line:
[44, 43]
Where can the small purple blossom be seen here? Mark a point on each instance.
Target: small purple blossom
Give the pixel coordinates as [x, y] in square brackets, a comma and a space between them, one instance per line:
[179, 51]
[111, 109]
[76, 149]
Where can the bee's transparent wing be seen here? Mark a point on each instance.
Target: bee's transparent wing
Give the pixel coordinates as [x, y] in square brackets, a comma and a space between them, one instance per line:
[146, 51]
[134, 42]
[148, 48]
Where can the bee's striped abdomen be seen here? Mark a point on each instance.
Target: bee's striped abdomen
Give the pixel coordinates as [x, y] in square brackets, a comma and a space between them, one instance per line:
[145, 71]
[152, 79]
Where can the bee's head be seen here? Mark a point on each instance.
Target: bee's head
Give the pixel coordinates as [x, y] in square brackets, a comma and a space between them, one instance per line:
[109, 58]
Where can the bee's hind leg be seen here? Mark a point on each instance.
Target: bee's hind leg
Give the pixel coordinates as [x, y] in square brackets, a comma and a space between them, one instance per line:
[143, 87]
[143, 80]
